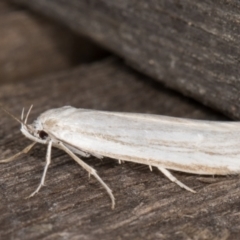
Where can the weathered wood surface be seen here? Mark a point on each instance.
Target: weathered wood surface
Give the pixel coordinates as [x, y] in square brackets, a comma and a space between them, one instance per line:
[72, 206]
[191, 46]
[32, 45]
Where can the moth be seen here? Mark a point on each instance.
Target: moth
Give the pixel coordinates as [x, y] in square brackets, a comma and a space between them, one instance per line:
[168, 143]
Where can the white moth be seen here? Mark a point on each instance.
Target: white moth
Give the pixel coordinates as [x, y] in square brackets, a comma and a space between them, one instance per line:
[193, 146]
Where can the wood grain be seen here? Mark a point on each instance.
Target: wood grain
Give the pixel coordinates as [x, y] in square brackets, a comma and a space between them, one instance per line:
[72, 206]
[191, 46]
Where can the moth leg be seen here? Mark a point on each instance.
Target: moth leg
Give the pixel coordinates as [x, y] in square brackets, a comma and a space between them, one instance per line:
[90, 170]
[48, 161]
[25, 150]
[175, 180]
[120, 161]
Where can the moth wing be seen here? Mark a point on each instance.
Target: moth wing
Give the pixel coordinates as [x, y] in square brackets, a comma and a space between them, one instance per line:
[180, 144]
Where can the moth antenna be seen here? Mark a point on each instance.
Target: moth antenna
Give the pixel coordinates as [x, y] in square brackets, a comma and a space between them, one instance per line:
[22, 115]
[28, 114]
[10, 114]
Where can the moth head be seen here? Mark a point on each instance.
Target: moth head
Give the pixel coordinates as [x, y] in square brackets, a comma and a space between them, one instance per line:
[34, 131]
[35, 134]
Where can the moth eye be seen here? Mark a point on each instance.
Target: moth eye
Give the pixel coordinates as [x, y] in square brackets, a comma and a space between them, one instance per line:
[42, 134]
